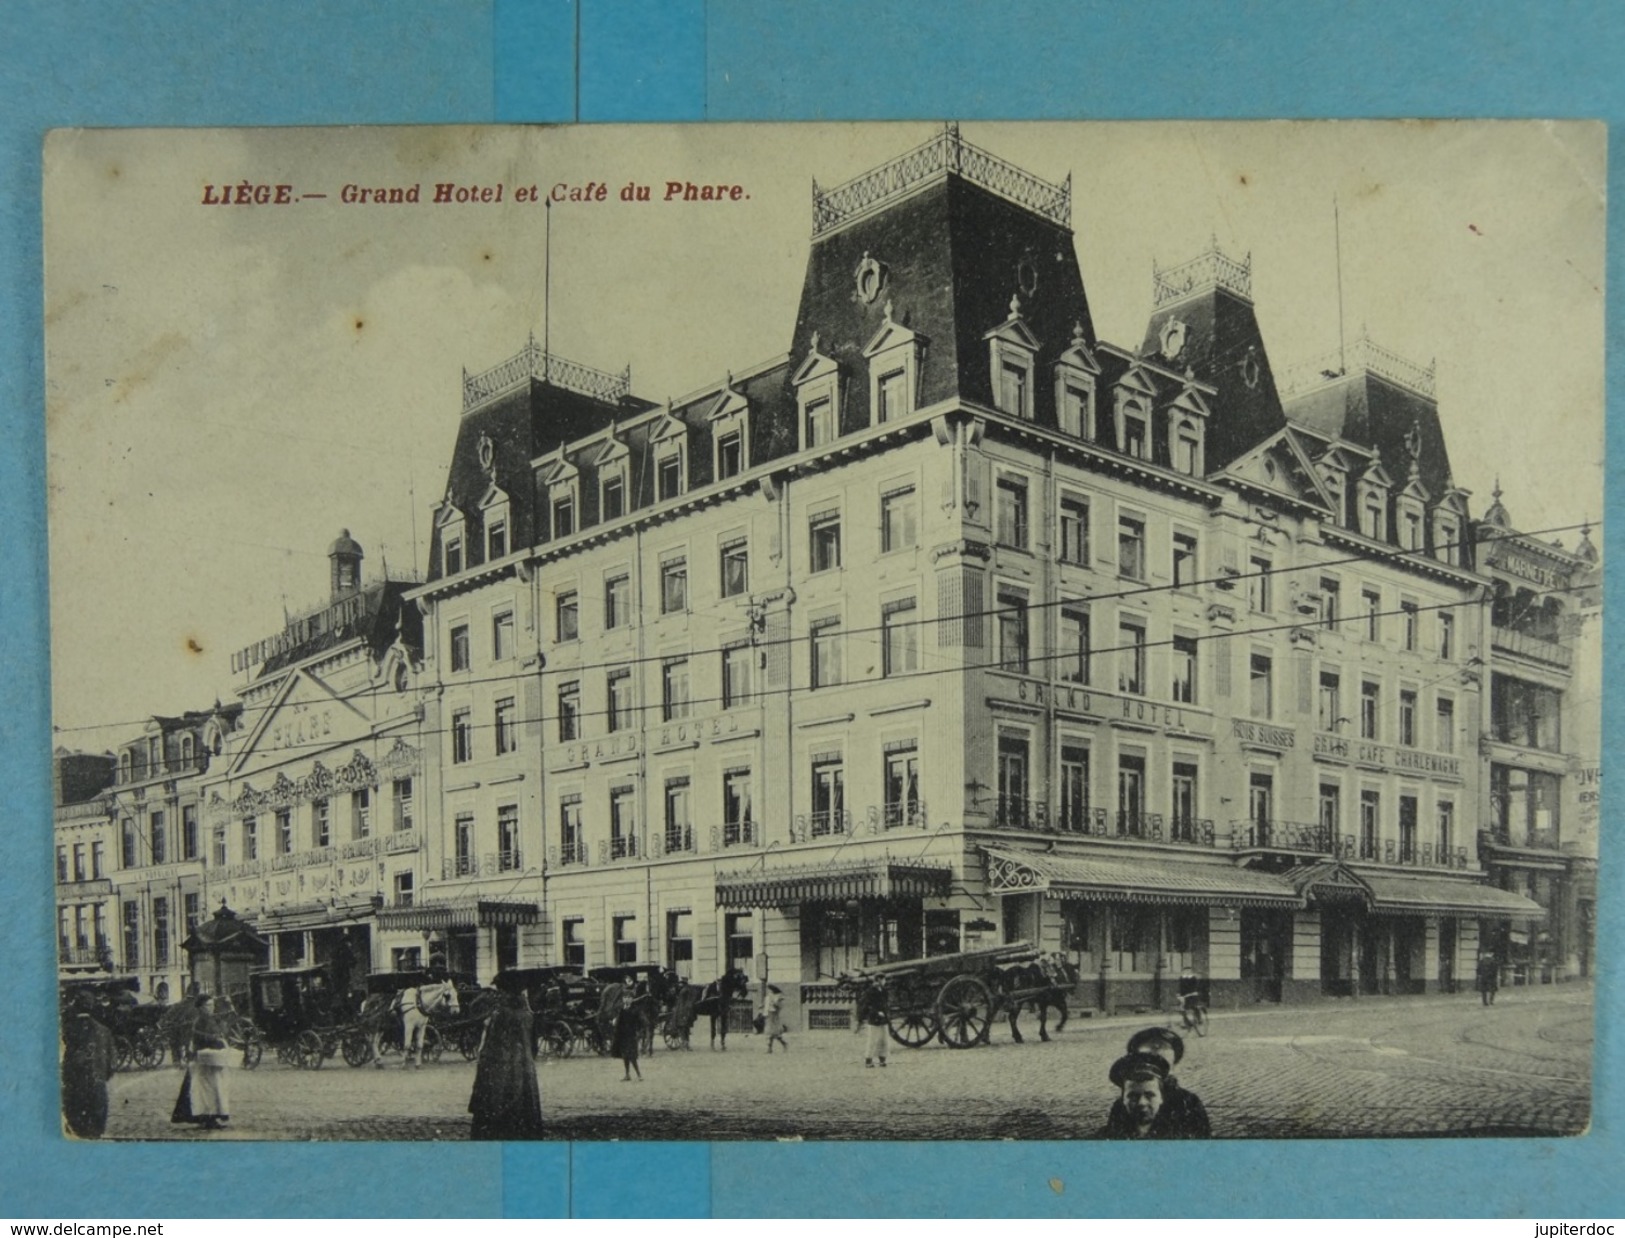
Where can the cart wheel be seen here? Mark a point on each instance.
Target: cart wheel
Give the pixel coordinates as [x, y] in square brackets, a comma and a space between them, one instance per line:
[357, 1048]
[309, 1051]
[123, 1053]
[148, 1049]
[914, 1028]
[433, 1045]
[287, 1053]
[673, 1039]
[964, 1011]
[468, 1043]
[253, 1050]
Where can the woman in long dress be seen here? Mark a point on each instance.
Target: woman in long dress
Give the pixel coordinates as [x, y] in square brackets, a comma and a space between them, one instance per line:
[506, 1101]
[205, 1097]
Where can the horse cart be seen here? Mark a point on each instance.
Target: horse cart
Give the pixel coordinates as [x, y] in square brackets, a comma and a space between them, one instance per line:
[954, 998]
[138, 1035]
[302, 1016]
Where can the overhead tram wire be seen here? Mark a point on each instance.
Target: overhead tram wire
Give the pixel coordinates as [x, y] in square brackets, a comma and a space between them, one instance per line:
[994, 612]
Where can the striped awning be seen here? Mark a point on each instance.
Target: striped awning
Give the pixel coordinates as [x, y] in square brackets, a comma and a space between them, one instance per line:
[458, 913]
[832, 883]
[1400, 896]
[1149, 880]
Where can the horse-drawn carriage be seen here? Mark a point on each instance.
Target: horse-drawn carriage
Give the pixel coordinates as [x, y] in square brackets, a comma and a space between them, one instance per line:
[301, 1015]
[451, 1010]
[138, 1035]
[955, 998]
[564, 1004]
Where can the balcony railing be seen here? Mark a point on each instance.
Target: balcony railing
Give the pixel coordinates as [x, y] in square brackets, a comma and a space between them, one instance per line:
[532, 362]
[1286, 836]
[678, 839]
[510, 861]
[85, 955]
[1312, 838]
[746, 833]
[1014, 813]
[571, 855]
[1538, 840]
[810, 825]
[623, 848]
[904, 814]
[1528, 645]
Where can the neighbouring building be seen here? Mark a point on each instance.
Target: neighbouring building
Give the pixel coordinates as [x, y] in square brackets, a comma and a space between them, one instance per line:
[85, 908]
[955, 625]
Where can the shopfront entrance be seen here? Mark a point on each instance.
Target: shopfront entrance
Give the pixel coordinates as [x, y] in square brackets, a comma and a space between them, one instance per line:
[1266, 950]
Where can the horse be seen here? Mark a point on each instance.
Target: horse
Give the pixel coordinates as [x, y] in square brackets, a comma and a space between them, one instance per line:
[413, 1006]
[714, 999]
[1045, 983]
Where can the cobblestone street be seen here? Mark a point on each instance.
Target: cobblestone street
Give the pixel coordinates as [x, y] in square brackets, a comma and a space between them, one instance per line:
[1376, 1067]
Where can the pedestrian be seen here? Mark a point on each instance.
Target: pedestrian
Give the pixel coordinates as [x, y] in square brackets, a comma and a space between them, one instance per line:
[627, 1036]
[1183, 1116]
[205, 1097]
[506, 1101]
[88, 1059]
[874, 1019]
[1140, 1110]
[1489, 978]
[773, 1013]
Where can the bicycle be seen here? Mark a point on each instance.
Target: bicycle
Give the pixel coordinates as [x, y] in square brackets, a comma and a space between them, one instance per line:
[1193, 1012]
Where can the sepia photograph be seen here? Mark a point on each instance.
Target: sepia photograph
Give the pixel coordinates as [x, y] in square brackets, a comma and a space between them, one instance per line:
[1043, 630]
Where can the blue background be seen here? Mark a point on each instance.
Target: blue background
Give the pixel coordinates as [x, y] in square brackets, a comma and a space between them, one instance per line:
[198, 62]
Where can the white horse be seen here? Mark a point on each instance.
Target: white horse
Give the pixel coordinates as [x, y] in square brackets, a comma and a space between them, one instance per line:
[414, 1007]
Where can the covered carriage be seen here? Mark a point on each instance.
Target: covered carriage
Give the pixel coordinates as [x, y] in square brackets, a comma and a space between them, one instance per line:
[301, 1015]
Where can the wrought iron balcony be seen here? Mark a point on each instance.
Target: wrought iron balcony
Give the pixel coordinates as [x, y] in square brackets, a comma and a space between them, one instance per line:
[571, 854]
[1301, 836]
[462, 866]
[510, 861]
[1014, 812]
[744, 833]
[900, 815]
[532, 362]
[678, 839]
[622, 848]
[84, 955]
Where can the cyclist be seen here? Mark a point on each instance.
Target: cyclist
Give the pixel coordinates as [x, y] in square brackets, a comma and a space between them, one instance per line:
[1192, 1003]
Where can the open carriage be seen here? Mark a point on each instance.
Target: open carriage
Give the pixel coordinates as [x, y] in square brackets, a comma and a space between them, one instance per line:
[954, 998]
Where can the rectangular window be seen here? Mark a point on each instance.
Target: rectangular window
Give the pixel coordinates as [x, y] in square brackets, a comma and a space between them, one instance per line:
[572, 846]
[564, 515]
[251, 840]
[679, 822]
[1015, 807]
[826, 653]
[1526, 714]
[568, 610]
[669, 477]
[573, 933]
[1407, 829]
[62, 864]
[403, 889]
[509, 857]
[730, 455]
[1373, 518]
[192, 914]
[1260, 672]
[614, 498]
[680, 943]
[361, 813]
[1182, 828]
[1371, 599]
[735, 568]
[1011, 513]
[507, 726]
[284, 831]
[160, 838]
[1134, 435]
[820, 428]
[1261, 801]
[1013, 389]
[828, 796]
[404, 816]
[1074, 788]
[462, 736]
[569, 711]
[129, 846]
[1258, 584]
[901, 640]
[98, 859]
[619, 693]
[189, 837]
[674, 694]
[160, 932]
[1407, 718]
[78, 861]
[891, 396]
[1449, 547]
[454, 555]
[1131, 657]
[132, 935]
[902, 784]
[1413, 531]
[1075, 532]
[1444, 724]
[502, 636]
[1330, 795]
[459, 647]
[1074, 650]
[1330, 601]
[1446, 831]
[673, 586]
[1370, 709]
[1184, 560]
[737, 825]
[463, 845]
[826, 543]
[1447, 635]
[1013, 631]
[736, 668]
[623, 824]
[626, 940]
[899, 520]
[1131, 796]
[1184, 664]
[1131, 548]
[217, 846]
[617, 602]
[1409, 620]
[1187, 450]
[496, 540]
[1330, 712]
[1074, 409]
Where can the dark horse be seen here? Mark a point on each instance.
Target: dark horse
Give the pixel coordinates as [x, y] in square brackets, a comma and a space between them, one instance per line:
[1043, 984]
[715, 1000]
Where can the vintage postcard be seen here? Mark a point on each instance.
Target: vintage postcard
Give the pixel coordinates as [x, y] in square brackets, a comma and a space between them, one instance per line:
[828, 631]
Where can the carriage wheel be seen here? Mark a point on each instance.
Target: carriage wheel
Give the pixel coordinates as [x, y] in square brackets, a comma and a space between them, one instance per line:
[288, 1053]
[309, 1051]
[357, 1047]
[673, 1038]
[148, 1049]
[468, 1042]
[964, 1011]
[123, 1053]
[913, 1028]
[556, 1042]
[253, 1050]
[433, 1045]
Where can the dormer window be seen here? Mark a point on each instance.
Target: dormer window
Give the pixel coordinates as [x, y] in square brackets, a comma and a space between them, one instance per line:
[891, 397]
[613, 497]
[1410, 530]
[1334, 491]
[1077, 410]
[1187, 449]
[817, 381]
[730, 454]
[1075, 374]
[1012, 354]
[1371, 522]
[893, 356]
[564, 514]
[496, 539]
[1132, 432]
[730, 425]
[1446, 537]
[454, 555]
[819, 423]
[669, 476]
[1014, 389]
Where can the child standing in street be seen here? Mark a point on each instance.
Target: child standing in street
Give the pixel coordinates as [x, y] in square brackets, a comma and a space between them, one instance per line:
[874, 1016]
[773, 1010]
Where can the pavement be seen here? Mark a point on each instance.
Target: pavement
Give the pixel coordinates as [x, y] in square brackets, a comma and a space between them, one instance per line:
[1370, 1067]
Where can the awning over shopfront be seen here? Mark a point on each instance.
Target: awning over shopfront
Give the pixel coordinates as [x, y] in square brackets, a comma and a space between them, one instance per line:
[316, 916]
[1150, 880]
[1400, 896]
[459, 913]
[833, 883]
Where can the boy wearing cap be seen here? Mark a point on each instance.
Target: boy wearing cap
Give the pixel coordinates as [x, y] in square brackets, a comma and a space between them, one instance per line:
[1182, 1114]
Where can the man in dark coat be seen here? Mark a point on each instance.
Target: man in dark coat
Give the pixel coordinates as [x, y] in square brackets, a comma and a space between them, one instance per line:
[506, 1101]
[1182, 1114]
[1489, 978]
[88, 1059]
